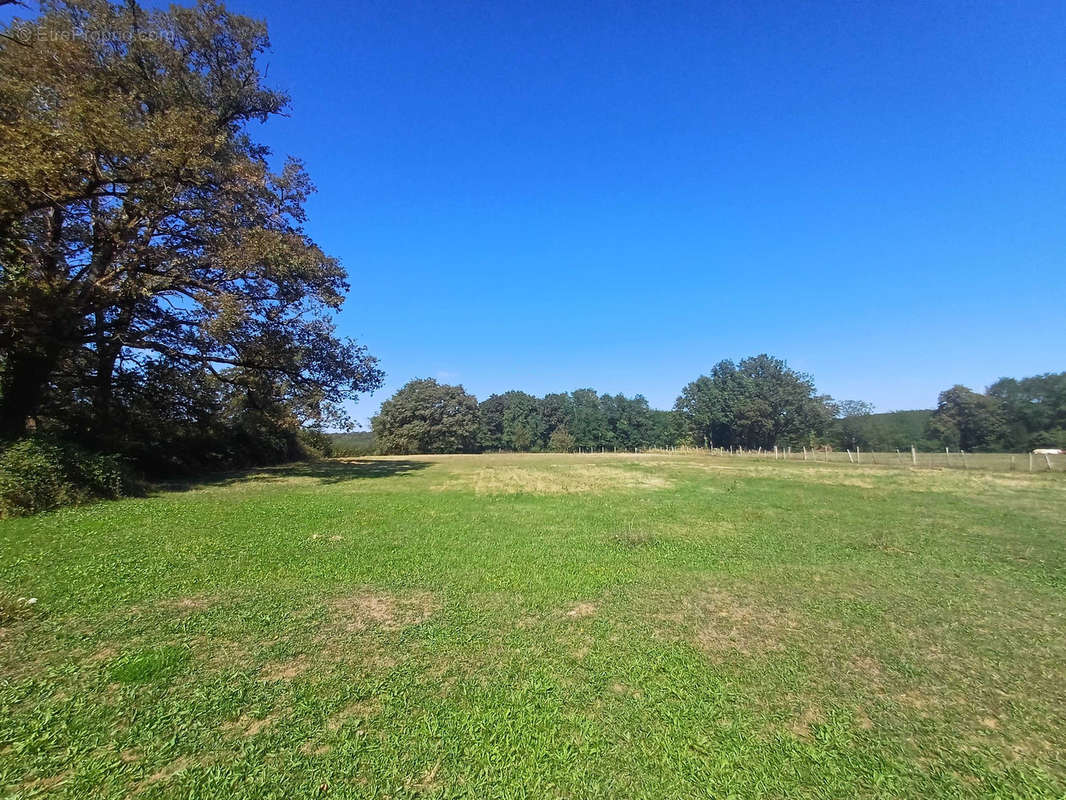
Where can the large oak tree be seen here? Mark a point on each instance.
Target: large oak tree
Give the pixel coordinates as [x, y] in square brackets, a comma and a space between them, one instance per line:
[425, 416]
[141, 224]
[759, 402]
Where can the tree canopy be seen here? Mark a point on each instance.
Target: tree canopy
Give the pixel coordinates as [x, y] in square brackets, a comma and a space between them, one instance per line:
[967, 420]
[425, 416]
[411, 422]
[150, 255]
[1034, 410]
[759, 402]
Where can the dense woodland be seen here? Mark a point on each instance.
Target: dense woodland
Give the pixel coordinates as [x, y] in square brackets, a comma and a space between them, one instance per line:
[758, 402]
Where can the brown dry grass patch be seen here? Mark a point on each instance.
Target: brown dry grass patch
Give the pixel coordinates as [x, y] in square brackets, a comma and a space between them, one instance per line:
[582, 611]
[428, 782]
[361, 710]
[247, 726]
[727, 623]
[557, 479]
[188, 604]
[284, 670]
[809, 718]
[367, 610]
[41, 785]
[175, 767]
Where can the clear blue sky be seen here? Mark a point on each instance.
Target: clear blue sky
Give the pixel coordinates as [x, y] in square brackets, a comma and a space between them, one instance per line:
[551, 195]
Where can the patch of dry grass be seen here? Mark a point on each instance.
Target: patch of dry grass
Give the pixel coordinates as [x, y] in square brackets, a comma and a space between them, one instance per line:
[365, 610]
[559, 478]
[284, 670]
[247, 726]
[798, 652]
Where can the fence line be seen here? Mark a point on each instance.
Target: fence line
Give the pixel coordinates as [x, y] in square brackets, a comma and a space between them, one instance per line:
[909, 459]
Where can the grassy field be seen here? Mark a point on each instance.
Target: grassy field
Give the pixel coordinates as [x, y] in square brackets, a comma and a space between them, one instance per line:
[667, 626]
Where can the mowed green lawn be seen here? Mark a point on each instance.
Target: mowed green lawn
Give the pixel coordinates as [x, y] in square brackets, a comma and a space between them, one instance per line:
[543, 626]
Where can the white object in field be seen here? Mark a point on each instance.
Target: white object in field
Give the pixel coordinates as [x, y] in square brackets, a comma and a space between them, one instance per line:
[1048, 451]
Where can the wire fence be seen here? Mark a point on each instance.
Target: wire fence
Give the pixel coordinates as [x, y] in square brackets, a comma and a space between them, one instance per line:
[906, 459]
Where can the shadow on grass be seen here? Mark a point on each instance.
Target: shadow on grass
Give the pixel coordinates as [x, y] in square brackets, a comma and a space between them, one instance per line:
[327, 472]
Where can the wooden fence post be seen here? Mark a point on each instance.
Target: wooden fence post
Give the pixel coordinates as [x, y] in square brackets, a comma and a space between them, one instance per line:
[914, 456]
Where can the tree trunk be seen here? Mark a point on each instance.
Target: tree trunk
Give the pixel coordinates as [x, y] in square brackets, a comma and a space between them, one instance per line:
[22, 383]
[107, 350]
[103, 391]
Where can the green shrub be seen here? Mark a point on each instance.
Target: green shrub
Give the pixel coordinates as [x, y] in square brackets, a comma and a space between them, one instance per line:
[316, 443]
[38, 473]
[561, 440]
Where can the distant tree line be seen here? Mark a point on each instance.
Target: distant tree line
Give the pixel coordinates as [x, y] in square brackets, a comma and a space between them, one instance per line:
[429, 417]
[758, 402]
[1010, 415]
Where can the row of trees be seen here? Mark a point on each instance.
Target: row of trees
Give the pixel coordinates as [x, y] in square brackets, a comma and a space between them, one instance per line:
[159, 296]
[429, 417]
[1011, 414]
[757, 402]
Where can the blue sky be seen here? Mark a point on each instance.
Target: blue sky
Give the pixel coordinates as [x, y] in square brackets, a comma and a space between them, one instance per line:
[550, 195]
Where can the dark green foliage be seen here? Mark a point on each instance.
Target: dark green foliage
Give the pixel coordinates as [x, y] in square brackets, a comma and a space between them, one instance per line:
[315, 443]
[511, 421]
[519, 422]
[556, 409]
[759, 402]
[588, 423]
[427, 417]
[894, 430]
[628, 419]
[38, 473]
[1013, 414]
[966, 420]
[1034, 410]
[667, 429]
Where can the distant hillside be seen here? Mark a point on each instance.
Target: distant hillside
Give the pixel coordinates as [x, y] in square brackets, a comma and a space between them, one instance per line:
[887, 431]
[360, 443]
